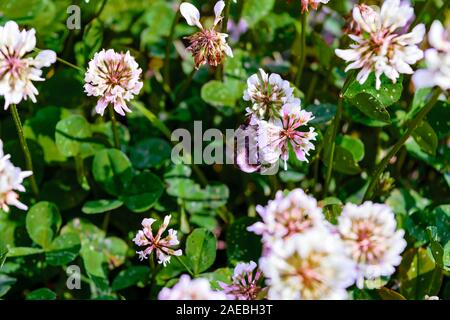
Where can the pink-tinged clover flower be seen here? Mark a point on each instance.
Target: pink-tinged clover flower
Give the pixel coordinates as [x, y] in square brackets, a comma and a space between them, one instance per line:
[18, 69]
[164, 247]
[11, 179]
[114, 78]
[275, 135]
[371, 240]
[245, 282]
[308, 266]
[207, 46]
[381, 44]
[287, 215]
[437, 58]
[268, 93]
[191, 289]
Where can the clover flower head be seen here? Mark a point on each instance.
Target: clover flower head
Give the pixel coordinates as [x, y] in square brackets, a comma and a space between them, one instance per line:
[437, 58]
[268, 93]
[371, 240]
[11, 179]
[191, 289]
[164, 247]
[18, 69]
[287, 215]
[114, 78]
[245, 282]
[207, 46]
[381, 44]
[275, 135]
[313, 3]
[308, 266]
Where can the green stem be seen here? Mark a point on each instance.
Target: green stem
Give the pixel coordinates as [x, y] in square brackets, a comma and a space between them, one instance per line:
[184, 265]
[410, 129]
[101, 9]
[67, 63]
[336, 121]
[70, 65]
[154, 269]
[114, 127]
[312, 87]
[106, 220]
[185, 86]
[168, 47]
[226, 16]
[316, 171]
[25, 150]
[425, 9]
[302, 59]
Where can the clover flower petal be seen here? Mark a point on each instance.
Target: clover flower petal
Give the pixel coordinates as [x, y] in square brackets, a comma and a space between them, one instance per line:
[437, 59]
[308, 266]
[163, 246]
[287, 215]
[245, 282]
[11, 179]
[370, 237]
[18, 69]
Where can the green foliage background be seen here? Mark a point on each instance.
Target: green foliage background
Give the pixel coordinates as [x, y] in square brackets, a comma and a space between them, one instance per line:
[93, 197]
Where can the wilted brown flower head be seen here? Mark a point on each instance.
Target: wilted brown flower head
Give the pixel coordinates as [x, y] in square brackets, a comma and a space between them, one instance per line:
[207, 46]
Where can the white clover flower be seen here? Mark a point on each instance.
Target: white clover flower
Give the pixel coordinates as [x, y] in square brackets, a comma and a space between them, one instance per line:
[268, 94]
[18, 70]
[11, 179]
[437, 58]
[245, 282]
[164, 247]
[313, 3]
[187, 289]
[371, 239]
[309, 266]
[381, 43]
[207, 45]
[275, 135]
[115, 78]
[287, 215]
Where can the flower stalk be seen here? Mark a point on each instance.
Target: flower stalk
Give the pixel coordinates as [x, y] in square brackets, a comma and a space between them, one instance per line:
[114, 127]
[304, 21]
[336, 122]
[224, 29]
[410, 129]
[25, 149]
[168, 47]
[67, 63]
